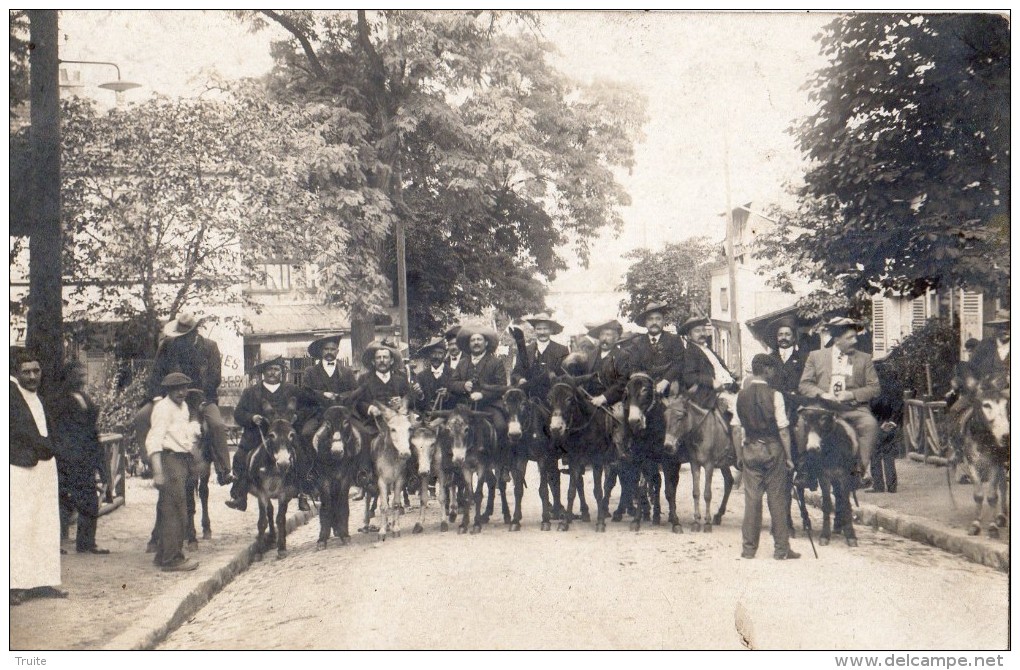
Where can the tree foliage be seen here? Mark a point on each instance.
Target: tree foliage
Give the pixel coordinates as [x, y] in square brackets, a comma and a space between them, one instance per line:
[908, 186]
[679, 275]
[455, 123]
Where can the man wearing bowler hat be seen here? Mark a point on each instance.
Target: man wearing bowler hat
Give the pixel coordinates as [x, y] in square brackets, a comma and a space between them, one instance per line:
[271, 394]
[184, 350]
[544, 358]
[434, 380]
[657, 353]
[991, 358]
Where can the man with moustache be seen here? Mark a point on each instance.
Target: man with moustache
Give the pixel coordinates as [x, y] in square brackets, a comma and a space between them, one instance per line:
[454, 355]
[327, 382]
[657, 353]
[434, 380]
[704, 371]
[544, 358]
[609, 370]
[480, 379]
[382, 384]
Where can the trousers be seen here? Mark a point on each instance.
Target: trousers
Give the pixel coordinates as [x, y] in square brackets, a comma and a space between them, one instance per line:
[77, 485]
[765, 473]
[172, 509]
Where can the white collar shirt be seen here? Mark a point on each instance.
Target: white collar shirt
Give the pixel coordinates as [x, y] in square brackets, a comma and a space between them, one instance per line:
[720, 374]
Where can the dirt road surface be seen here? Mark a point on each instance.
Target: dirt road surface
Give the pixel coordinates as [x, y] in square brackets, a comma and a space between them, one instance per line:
[619, 590]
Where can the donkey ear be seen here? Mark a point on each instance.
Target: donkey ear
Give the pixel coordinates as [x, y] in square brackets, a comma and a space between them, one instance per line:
[674, 389]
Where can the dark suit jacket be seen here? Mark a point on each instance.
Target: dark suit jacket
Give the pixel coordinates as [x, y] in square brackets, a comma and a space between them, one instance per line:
[610, 375]
[787, 379]
[253, 401]
[27, 446]
[986, 359]
[315, 383]
[699, 372]
[201, 362]
[76, 434]
[538, 368]
[486, 376]
[373, 389]
[665, 362]
[430, 386]
[817, 377]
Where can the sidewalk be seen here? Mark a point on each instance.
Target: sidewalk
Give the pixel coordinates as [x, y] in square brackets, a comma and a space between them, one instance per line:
[923, 509]
[122, 601]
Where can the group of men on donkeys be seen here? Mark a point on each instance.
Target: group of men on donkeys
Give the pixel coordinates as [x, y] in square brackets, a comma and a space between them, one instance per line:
[463, 368]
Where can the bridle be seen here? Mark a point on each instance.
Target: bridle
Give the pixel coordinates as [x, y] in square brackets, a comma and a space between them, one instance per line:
[687, 401]
[574, 393]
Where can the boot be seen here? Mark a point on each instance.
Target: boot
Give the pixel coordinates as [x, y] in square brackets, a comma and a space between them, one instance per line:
[238, 495]
[302, 503]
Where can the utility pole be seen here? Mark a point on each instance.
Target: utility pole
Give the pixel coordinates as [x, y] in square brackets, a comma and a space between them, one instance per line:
[731, 263]
[45, 300]
[402, 281]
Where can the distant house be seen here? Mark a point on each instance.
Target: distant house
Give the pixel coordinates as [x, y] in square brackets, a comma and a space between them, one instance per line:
[894, 317]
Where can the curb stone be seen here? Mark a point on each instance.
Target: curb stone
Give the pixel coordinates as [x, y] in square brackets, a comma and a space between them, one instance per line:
[923, 530]
[179, 604]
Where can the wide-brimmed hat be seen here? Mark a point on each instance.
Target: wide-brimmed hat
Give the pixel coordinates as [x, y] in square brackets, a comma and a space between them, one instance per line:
[182, 325]
[542, 317]
[642, 316]
[1001, 319]
[597, 327]
[787, 321]
[451, 332]
[434, 343]
[626, 337]
[268, 363]
[175, 380]
[693, 322]
[315, 348]
[368, 356]
[839, 323]
[491, 338]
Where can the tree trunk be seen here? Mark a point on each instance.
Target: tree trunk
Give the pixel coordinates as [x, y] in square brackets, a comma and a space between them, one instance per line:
[45, 303]
[362, 334]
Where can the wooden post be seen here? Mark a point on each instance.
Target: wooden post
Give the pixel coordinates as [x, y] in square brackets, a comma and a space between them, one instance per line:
[731, 266]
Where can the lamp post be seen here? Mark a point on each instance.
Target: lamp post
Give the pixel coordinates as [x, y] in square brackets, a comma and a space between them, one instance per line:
[118, 86]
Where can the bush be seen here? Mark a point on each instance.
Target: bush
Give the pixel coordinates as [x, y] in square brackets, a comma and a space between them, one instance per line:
[118, 404]
[936, 345]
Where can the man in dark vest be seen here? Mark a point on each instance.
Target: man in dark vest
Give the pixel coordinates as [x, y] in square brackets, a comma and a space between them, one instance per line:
[764, 457]
[271, 394]
[434, 380]
[184, 350]
[544, 358]
[382, 383]
[657, 353]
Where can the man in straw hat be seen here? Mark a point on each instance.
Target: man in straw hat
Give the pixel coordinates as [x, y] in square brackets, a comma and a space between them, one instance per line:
[184, 350]
[168, 444]
[542, 360]
[271, 394]
[481, 379]
[434, 380]
[840, 373]
[991, 358]
[656, 353]
[382, 383]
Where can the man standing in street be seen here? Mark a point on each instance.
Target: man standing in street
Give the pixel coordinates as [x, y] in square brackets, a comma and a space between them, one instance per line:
[168, 444]
[840, 373]
[544, 358]
[34, 508]
[270, 395]
[198, 358]
[657, 353]
[764, 457]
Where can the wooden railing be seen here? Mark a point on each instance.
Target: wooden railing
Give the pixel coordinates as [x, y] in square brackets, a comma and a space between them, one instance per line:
[112, 491]
[925, 430]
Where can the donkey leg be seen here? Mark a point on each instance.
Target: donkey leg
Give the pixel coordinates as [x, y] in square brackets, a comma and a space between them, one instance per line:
[568, 514]
[326, 512]
[709, 471]
[696, 490]
[263, 523]
[501, 483]
[656, 493]
[843, 511]
[482, 479]
[727, 476]
[519, 471]
[585, 513]
[423, 498]
[203, 496]
[992, 498]
[823, 484]
[599, 494]
[544, 487]
[281, 527]
[555, 485]
[671, 477]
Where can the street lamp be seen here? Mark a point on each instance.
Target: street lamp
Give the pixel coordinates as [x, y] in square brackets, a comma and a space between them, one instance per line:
[119, 86]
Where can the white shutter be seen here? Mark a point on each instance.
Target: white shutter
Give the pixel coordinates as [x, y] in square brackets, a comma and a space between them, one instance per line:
[918, 313]
[879, 345]
[971, 318]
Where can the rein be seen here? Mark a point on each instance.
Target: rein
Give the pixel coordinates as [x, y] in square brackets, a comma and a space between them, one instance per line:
[586, 424]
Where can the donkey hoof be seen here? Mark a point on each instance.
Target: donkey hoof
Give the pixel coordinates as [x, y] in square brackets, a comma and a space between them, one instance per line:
[476, 529]
[563, 525]
[483, 519]
[417, 529]
[282, 553]
[557, 514]
[345, 539]
[678, 529]
[717, 519]
[192, 545]
[514, 527]
[443, 526]
[993, 531]
[546, 525]
[1001, 521]
[617, 516]
[707, 528]
[656, 520]
[257, 557]
[452, 517]
[696, 527]
[507, 520]
[585, 517]
[600, 527]
[321, 544]
[823, 541]
[974, 530]
[461, 530]
[851, 542]
[207, 534]
[635, 525]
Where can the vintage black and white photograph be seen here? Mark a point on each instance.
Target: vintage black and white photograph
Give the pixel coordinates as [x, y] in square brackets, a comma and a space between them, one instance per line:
[507, 330]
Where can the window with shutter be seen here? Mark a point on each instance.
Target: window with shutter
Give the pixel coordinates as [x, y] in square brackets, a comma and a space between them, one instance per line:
[971, 318]
[918, 313]
[879, 344]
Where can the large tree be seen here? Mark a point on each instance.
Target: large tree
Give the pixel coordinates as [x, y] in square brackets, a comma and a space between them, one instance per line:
[908, 184]
[467, 137]
[678, 275]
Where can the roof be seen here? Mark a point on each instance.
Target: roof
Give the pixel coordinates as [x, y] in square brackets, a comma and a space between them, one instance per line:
[297, 319]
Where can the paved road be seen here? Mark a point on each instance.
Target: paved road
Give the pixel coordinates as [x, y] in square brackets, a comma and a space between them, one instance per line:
[582, 590]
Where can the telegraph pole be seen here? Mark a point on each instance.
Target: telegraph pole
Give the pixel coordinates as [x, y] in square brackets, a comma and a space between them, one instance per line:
[731, 263]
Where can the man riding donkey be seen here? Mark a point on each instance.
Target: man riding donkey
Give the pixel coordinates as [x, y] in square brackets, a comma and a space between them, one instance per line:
[434, 379]
[609, 369]
[480, 380]
[838, 372]
[656, 353]
[542, 359]
[270, 395]
[325, 383]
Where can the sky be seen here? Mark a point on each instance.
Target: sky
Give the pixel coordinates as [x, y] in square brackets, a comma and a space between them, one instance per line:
[711, 79]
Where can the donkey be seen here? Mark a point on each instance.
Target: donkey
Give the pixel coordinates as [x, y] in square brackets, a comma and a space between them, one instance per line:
[704, 434]
[428, 461]
[340, 453]
[827, 445]
[198, 471]
[273, 473]
[391, 451]
[984, 433]
[529, 441]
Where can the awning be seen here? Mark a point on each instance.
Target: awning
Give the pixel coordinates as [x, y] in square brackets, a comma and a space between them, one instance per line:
[275, 320]
[759, 325]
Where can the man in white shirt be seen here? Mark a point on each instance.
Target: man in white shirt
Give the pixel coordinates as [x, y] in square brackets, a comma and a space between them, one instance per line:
[703, 370]
[172, 435]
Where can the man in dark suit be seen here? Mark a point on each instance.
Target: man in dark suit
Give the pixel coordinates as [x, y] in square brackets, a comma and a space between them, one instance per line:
[480, 380]
[789, 366]
[991, 358]
[657, 353]
[435, 378]
[270, 395]
[325, 383]
[454, 356]
[703, 370]
[840, 373]
[382, 383]
[34, 509]
[609, 370]
[544, 358]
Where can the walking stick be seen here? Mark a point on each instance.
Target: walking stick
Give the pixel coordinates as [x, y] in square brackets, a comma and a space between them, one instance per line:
[804, 517]
[589, 398]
